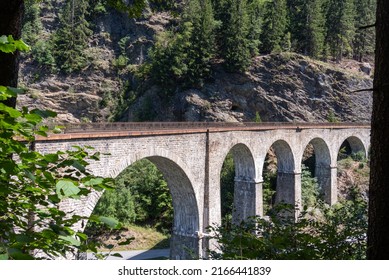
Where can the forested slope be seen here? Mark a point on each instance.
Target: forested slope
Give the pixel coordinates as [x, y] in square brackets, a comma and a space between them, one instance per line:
[220, 60]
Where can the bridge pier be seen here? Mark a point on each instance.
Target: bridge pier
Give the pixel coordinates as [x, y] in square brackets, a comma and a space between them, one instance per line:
[247, 199]
[289, 189]
[327, 180]
[185, 246]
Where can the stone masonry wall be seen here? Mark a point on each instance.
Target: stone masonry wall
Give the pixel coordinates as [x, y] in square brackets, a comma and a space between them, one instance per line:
[192, 162]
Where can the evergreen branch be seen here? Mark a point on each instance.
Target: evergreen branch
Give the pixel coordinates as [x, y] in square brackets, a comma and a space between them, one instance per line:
[362, 90]
[367, 26]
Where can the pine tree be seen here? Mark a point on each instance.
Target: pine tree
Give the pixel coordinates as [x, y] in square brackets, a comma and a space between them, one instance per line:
[71, 38]
[235, 47]
[297, 15]
[275, 24]
[363, 43]
[31, 23]
[168, 58]
[315, 29]
[339, 27]
[182, 56]
[255, 14]
[307, 27]
[202, 42]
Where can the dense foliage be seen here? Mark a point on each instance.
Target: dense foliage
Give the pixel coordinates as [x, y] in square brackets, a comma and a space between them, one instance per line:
[32, 184]
[227, 184]
[71, 39]
[323, 29]
[331, 233]
[183, 55]
[203, 32]
[141, 197]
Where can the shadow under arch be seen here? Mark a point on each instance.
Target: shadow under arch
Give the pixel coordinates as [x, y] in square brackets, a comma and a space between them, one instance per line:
[246, 197]
[184, 242]
[288, 187]
[352, 158]
[322, 167]
[353, 145]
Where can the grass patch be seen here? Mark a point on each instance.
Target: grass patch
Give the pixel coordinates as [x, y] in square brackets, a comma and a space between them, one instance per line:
[144, 239]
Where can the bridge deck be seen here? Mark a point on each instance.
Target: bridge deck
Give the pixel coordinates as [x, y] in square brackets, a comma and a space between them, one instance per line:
[123, 129]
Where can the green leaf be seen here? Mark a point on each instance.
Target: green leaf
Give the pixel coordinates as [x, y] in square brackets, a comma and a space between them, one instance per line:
[30, 175]
[73, 241]
[11, 111]
[78, 165]
[23, 238]
[9, 45]
[94, 182]
[57, 130]
[67, 188]
[3, 257]
[44, 113]
[21, 46]
[83, 236]
[51, 157]
[15, 91]
[41, 133]
[33, 118]
[17, 254]
[3, 89]
[7, 48]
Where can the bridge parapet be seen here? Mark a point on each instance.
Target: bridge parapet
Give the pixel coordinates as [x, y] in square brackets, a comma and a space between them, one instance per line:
[81, 127]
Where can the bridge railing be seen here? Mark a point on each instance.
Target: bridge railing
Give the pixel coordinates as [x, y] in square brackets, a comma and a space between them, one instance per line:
[150, 126]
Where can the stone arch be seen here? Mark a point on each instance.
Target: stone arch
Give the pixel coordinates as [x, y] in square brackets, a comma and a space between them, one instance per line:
[322, 152]
[244, 162]
[356, 145]
[186, 214]
[285, 157]
[184, 242]
[288, 189]
[323, 169]
[246, 190]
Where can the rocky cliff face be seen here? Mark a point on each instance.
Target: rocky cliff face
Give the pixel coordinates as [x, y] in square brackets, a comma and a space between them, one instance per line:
[91, 94]
[282, 87]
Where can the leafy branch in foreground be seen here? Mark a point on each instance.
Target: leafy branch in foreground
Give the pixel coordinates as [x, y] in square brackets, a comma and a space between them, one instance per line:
[32, 185]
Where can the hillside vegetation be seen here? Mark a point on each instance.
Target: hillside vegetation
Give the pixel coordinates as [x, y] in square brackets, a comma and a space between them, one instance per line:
[220, 60]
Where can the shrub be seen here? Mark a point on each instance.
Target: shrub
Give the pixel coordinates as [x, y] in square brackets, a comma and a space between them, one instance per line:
[310, 192]
[358, 156]
[337, 232]
[42, 53]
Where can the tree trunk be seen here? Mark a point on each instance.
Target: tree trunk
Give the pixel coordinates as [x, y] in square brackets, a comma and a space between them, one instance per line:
[11, 16]
[378, 232]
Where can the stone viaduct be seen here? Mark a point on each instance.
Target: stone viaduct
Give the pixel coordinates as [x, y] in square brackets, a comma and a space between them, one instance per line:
[191, 155]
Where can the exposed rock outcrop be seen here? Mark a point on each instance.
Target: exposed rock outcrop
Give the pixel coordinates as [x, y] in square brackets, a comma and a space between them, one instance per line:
[283, 87]
[93, 93]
